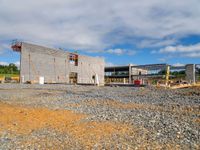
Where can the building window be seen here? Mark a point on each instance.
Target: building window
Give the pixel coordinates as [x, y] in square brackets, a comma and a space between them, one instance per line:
[73, 59]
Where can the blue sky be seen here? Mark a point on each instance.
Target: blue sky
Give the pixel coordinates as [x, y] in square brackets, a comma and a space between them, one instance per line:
[121, 31]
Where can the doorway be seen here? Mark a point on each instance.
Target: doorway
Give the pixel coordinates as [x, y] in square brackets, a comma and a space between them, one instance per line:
[73, 76]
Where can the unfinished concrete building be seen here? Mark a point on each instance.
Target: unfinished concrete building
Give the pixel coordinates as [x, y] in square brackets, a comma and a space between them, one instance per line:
[151, 72]
[123, 74]
[57, 66]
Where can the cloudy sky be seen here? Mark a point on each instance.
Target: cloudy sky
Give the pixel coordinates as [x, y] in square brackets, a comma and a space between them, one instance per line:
[121, 31]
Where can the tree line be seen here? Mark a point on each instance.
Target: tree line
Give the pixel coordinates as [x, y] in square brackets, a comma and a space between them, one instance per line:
[9, 69]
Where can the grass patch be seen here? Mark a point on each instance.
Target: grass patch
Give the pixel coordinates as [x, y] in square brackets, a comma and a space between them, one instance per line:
[9, 75]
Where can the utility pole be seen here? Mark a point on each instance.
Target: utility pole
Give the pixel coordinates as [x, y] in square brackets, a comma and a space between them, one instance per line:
[167, 75]
[29, 63]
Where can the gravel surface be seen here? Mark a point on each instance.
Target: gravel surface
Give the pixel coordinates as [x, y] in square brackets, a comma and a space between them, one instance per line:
[156, 118]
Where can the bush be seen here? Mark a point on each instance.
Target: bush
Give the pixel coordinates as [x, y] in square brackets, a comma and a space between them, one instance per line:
[10, 69]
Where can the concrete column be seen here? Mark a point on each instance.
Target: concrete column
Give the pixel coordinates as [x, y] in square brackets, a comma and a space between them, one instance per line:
[124, 80]
[190, 73]
[130, 73]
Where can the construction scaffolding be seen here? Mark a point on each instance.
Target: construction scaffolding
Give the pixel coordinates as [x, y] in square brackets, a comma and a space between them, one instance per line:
[16, 45]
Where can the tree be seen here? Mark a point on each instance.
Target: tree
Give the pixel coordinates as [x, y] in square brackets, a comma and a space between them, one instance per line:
[9, 69]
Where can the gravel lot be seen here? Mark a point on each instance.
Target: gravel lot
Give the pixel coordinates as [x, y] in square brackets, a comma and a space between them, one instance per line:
[87, 117]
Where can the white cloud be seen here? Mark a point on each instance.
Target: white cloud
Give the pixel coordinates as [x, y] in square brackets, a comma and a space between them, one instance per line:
[7, 63]
[17, 64]
[98, 25]
[108, 64]
[191, 51]
[178, 64]
[4, 63]
[153, 43]
[3, 47]
[119, 51]
[192, 55]
[116, 51]
[1, 52]
[162, 60]
[181, 49]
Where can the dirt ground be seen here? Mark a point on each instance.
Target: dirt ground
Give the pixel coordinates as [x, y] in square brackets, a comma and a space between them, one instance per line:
[45, 118]
[24, 120]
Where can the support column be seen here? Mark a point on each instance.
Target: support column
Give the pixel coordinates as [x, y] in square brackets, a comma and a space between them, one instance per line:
[130, 73]
[190, 73]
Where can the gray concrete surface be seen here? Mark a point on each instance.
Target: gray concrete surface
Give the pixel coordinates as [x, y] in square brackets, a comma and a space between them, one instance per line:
[190, 73]
[55, 67]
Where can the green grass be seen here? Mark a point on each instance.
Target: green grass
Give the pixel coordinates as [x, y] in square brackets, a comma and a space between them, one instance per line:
[9, 75]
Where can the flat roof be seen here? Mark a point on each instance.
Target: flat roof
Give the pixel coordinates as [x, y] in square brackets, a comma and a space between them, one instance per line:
[117, 76]
[145, 67]
[116, 68]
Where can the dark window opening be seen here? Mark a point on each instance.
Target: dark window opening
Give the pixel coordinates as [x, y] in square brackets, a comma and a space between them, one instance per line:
[73, 77]
[73, 59]
[93, 77]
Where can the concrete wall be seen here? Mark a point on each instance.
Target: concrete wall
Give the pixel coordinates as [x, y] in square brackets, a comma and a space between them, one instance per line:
[55, 67]
[190, 73]
[137, 71]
